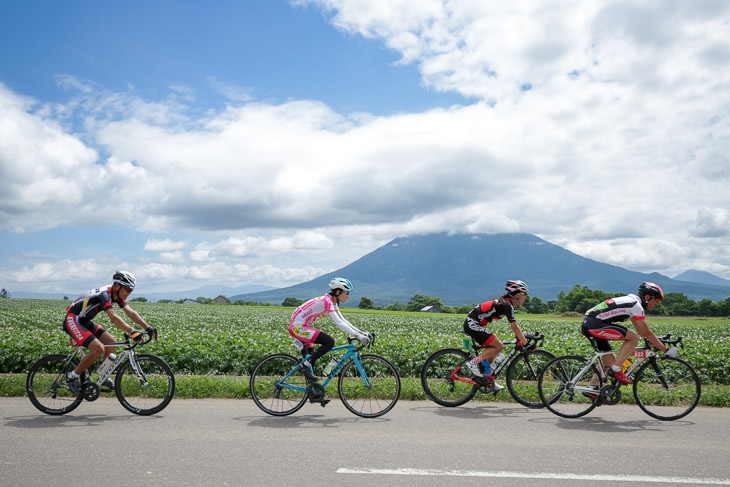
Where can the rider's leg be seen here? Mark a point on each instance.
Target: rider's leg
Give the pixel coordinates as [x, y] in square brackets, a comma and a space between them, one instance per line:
[96, 349]
[630, 342]
[325, 343]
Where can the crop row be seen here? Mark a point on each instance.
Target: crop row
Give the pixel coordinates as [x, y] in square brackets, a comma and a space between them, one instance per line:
[230, 340]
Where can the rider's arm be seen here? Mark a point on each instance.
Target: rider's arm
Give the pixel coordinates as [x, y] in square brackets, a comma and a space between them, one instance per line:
[344, 325]
[118, 321]
[518, 332]
[134, 316]
[643, 330]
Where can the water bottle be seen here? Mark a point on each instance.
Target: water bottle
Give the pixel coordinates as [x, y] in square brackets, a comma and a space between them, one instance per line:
[626, 365]
[331, 365]
[106, 365]
[498, 359]
[467, 344]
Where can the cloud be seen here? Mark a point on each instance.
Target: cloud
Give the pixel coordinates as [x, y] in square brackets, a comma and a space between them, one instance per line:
[599, 125]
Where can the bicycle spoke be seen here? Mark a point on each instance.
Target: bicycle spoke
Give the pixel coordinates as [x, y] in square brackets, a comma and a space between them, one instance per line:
[372, 394]
[270, 392]
[670, 395]
[150, 391]
[443, 379]
[564, 390]
[522, 376]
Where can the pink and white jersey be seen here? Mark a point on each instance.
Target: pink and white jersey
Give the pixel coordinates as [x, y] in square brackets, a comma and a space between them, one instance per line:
[309, 312]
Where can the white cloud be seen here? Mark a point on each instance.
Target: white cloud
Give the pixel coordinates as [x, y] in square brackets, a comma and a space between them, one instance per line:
[598, 125]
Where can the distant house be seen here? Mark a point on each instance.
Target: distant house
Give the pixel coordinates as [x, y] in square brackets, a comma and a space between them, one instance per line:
[431, 309]
[190, 301]
[221, 299]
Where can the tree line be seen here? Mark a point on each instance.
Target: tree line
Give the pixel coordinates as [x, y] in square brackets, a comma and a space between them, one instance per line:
[578, 300]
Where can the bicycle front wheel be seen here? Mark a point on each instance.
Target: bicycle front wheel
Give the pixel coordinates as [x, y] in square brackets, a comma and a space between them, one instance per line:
[372, 390]
[667, 389]
[564, 386]
[271, 393]
[150, 391]
[522, 375]
[46, 385]
[445, 381]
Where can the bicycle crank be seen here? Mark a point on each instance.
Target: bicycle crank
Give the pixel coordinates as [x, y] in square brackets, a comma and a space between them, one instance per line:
[486, 384]
[90, 391]
[610, 394]
[315, 392]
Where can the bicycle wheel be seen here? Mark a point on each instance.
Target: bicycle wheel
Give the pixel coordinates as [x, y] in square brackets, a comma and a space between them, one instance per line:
[522, 375]
[148, 393]
[375, 397]
[46, 385]
[272, 394]
[564, 386]
[668, 389]
[443, 379]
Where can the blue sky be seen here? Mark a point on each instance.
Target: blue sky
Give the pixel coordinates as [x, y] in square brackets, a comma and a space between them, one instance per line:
[269, 142]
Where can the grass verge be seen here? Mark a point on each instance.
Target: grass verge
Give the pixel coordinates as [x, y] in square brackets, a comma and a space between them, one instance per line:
[236, 387]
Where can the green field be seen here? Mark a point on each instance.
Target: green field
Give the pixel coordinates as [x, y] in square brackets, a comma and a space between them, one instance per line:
[212, 348]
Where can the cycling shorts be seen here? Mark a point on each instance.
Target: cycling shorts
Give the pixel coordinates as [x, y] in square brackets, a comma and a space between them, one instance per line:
[599, 332]
[477, 332]
[81, 332]
[305, 333]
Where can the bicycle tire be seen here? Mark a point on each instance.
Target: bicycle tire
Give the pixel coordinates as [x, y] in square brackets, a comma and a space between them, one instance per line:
[46, 385]
[676, 401]
[376, 399]
[149, 397]
[268, 395]
[444, 382]
[559, 391]
[523, 373]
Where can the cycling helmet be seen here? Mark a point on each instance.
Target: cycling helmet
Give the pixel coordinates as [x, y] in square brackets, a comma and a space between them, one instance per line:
[515, 287]
[125, 279]
[341, 283]
[651, 289]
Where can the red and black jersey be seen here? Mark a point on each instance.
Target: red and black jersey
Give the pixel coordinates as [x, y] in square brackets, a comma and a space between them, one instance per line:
[93, 302]
[492, 310]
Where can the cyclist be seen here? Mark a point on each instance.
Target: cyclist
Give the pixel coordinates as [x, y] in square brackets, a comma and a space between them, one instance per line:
[483, 314]
[601, 325]
[85, 332]
[306, 314]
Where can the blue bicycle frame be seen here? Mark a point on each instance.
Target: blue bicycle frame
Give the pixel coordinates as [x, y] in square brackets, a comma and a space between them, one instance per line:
[351, 352]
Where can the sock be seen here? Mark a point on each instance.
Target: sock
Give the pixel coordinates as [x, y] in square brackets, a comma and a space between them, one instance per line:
[73, 375]
[476, 360]
[306, 363]
[616, 368]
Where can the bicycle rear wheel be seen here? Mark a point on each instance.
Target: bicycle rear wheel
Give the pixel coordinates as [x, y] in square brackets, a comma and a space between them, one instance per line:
[668, 389]
[372, 391]
[46, 385]
[522, 375]
[149, 393]
[270, 393]
[444, 380]
[564, 390]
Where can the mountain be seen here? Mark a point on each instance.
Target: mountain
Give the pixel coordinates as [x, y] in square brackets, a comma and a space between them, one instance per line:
[463, 269]
[205, 291]
[702, 277]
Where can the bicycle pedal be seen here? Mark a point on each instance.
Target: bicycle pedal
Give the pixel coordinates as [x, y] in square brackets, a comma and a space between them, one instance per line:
[325, 401]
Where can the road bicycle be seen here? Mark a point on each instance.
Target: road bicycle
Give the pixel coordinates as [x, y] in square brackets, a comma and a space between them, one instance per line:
[368, 385]
[665, 388]
[446, 381]
[144, 383]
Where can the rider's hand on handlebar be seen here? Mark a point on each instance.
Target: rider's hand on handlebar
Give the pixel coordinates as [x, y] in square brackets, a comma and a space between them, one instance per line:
[530, 346]
[364, 340]
[672, 352]
[137, 336]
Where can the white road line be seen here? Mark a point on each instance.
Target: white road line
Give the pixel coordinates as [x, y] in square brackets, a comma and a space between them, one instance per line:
[536, 475]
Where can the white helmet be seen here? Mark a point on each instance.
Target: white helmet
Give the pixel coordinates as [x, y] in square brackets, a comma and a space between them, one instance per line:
[515, 287]
[125, 279]
[341, 283]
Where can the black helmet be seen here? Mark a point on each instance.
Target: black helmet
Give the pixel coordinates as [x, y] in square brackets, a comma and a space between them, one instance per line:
[651, 289]
[125, 279]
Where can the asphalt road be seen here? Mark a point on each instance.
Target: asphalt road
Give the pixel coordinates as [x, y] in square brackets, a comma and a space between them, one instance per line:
[231, 442]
